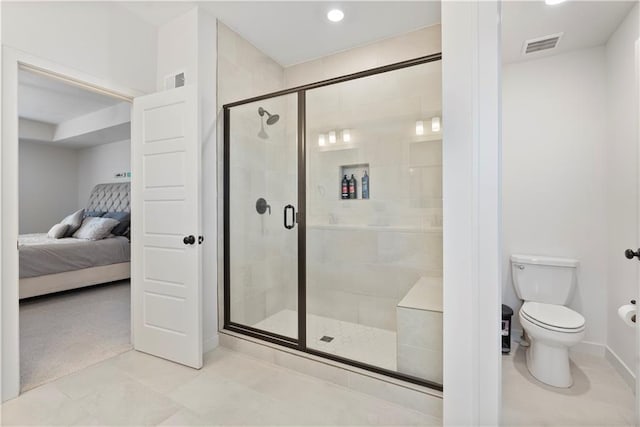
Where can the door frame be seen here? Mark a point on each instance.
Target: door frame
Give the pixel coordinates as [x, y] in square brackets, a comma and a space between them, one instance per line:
[300, 343]
[13, 60]
[636, 368]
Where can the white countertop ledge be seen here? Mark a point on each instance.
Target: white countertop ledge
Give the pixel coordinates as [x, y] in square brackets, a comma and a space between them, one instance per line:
[426, 294]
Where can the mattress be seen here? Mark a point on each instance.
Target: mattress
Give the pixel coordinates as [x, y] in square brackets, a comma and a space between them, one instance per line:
[40, 255]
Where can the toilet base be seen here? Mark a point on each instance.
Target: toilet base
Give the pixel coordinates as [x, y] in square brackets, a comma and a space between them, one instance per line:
[549, 364]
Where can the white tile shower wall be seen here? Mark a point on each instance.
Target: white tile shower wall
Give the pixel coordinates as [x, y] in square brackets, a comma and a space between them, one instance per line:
[366, 254]
[359, 275]
[263, 258]
[414, 44]
[356, 273]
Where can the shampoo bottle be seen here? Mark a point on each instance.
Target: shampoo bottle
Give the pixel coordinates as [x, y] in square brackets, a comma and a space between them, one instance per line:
[353, 188]
[365, 185]
[345, 187]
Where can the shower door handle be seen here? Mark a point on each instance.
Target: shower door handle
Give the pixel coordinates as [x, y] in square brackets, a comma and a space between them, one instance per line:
[293, 217]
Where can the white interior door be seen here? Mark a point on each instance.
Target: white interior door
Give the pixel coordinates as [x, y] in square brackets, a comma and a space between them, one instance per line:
[165, 207]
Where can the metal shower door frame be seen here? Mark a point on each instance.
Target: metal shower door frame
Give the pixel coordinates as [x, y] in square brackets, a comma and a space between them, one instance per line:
[301, 342]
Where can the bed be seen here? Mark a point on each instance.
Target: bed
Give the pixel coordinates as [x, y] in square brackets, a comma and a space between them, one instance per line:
[53, 265]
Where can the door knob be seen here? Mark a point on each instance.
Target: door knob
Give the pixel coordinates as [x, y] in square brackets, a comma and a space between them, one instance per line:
[189, 240]
[630, 253]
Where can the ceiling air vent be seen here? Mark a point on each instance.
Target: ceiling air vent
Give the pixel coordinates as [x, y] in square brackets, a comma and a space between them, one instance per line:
[541, 43]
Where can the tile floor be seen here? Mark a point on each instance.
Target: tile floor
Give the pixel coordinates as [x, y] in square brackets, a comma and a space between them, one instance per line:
[599, 396]
[231, 389]
[366, 344]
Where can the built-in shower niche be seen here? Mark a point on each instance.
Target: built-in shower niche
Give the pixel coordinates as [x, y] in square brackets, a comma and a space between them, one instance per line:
[358, 171]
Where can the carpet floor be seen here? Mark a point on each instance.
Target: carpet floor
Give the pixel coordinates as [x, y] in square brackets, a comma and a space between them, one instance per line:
[66, 332]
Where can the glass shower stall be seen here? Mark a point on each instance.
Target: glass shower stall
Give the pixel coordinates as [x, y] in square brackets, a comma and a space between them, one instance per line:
[333, 219]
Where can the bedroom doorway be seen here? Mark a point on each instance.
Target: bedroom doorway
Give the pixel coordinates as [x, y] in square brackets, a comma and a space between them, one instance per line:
[74, 172]
[164, 128]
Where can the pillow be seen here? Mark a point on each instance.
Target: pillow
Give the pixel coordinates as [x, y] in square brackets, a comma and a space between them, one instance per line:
[58, 231]
[95, 228]
[93, 213]
[74, 221]
[125, 220]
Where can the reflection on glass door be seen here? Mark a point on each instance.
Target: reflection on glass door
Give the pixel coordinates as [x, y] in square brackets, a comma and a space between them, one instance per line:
[262, 203]
[374, 222]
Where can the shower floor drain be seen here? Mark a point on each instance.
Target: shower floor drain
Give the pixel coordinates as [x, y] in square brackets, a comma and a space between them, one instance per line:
[326, 338]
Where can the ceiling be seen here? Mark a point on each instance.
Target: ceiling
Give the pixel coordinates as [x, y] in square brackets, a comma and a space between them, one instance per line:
[297, 31]
[52, 101]
[584, 23]
[291, 32]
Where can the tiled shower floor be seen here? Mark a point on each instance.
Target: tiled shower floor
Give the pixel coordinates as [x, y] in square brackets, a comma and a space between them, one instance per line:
[361, 343]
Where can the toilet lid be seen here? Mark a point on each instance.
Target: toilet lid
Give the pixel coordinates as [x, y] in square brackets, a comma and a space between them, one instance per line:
[552, 316]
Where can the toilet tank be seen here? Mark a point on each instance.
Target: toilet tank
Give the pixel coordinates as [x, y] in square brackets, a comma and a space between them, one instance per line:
[544, 279]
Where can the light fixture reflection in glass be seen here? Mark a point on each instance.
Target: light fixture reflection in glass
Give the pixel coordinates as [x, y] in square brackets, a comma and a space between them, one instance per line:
[419, 127]
[346, 135]
[435, 124]
[321, 141]
[553, 2]
[332, 137]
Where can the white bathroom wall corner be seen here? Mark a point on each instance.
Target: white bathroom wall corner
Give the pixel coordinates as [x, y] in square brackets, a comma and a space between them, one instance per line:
[471, 193]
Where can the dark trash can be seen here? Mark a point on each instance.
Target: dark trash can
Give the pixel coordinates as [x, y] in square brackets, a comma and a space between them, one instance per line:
[507, 314]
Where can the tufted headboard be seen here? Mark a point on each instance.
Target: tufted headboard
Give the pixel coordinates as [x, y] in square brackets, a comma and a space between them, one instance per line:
[113, 197]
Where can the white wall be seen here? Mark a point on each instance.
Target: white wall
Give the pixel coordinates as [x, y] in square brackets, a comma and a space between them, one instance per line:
[48, 185]
[207, 87]
[622, 182]
[471, 222]
[554, 150]
[188, 43]
[56, 181]
[101, 39]
[98, 165]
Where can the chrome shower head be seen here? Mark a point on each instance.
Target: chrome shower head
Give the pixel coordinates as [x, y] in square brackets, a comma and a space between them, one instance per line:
[272, 118]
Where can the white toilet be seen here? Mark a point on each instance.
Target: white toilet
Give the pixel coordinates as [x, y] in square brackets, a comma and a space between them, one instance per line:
[546, 284]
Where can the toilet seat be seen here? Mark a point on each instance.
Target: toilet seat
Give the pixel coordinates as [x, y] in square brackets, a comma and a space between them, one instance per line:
[553, 317]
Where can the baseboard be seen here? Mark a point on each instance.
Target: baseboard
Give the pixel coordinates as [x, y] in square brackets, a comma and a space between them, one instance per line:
[621, 367]
[210, 343]
[592, 348]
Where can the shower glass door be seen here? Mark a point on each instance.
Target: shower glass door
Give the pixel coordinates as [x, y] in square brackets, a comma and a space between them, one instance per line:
[333, 219]
[374, 222]
[261, 172]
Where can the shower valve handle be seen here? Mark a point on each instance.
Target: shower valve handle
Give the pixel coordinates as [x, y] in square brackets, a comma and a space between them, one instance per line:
[630, 254]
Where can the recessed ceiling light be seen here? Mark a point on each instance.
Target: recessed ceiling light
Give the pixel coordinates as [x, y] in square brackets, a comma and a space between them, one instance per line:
[335, 15]
[554, 2]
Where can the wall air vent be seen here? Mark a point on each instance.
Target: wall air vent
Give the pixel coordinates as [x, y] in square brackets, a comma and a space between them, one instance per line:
[541, 43]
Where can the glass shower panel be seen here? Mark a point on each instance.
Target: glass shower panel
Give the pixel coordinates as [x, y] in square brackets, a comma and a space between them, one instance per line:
[374, 220]
[263, 270]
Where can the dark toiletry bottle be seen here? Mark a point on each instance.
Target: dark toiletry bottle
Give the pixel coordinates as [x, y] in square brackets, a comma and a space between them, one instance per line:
[345, 187]
[365, 185]
[353, 188]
